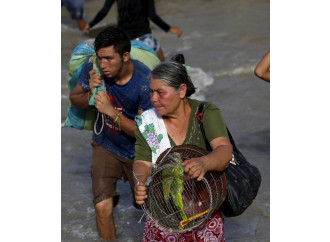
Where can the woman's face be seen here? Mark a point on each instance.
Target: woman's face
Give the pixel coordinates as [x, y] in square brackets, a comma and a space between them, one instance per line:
[164, 97]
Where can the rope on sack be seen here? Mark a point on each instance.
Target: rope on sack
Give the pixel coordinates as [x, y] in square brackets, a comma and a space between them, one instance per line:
[91, 100]
[97, 118]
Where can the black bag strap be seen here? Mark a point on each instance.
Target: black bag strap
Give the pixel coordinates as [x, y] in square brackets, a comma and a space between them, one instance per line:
[199, 115]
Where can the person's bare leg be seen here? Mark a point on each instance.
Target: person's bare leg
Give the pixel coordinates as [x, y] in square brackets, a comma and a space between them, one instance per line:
[104, 219]
[81, 24]
[160, 54]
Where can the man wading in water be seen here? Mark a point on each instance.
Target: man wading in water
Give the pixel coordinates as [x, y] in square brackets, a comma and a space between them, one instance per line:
[126, 95]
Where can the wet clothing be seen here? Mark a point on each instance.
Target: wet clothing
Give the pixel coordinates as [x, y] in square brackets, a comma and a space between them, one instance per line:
[148, 143]
[106, 169]
[150, 41]
[75, 7]
[133, 16]
[128, 99]
[213, 122]
[113, 150]
[211, 230]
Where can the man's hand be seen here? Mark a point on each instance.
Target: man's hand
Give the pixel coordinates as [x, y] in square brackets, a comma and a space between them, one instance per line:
[95, 80]
[103, 104]
[175, 30]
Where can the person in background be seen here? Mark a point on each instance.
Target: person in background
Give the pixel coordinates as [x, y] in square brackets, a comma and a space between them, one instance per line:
[133, 17]
[76, 9]
[173, 110]
[126, 95]
[262, 69]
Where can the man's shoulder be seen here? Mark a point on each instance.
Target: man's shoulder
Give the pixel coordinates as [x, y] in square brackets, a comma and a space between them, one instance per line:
[88, 64]
[86, 67]
[140, 68]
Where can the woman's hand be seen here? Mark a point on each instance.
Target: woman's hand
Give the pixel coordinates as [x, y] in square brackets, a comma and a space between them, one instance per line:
[140, 193]
[217, 160]
[141, 171]
[196, 167]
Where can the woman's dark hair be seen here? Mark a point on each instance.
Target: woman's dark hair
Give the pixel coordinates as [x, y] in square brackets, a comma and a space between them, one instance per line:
[179, 58]
[174, 74]
[113, 36]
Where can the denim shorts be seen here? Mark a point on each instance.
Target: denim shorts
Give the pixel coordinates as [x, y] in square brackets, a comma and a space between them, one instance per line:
[150, 41]
[75, 7]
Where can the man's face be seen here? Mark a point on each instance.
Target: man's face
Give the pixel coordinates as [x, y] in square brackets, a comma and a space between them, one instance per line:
[110, 61]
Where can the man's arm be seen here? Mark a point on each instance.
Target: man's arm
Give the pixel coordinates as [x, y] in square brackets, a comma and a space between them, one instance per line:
[79, 97]
[160, 22]
[102, 13]
[125, 124]
[155, 18]
[103, 105]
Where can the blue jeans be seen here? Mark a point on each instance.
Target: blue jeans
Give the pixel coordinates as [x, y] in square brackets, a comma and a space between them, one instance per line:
[75, 7]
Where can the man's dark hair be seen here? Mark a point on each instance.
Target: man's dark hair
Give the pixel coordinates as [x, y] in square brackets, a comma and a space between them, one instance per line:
[113, 36]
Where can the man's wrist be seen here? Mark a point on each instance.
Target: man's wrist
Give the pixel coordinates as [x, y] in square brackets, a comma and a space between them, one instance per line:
[89, 95]
[117, 117]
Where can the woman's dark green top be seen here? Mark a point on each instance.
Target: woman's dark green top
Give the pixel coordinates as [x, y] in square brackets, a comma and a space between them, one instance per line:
[213, 123]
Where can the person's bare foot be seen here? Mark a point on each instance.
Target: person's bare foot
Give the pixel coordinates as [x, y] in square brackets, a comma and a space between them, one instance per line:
[82, 24]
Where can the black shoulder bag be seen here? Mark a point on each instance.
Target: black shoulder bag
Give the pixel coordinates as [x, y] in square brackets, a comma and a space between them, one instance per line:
[243, 179]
